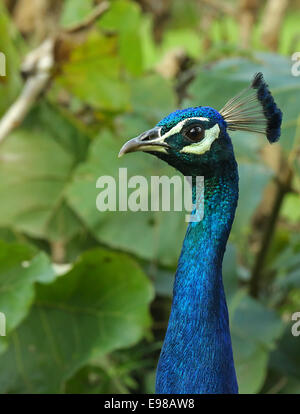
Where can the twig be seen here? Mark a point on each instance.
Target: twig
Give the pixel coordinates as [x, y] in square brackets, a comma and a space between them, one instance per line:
[90, 20]
[58, 252]
[37, 68]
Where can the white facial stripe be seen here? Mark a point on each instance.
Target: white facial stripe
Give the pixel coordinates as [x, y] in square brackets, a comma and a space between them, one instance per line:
[177, 128]
[155, 148]
[203, 146]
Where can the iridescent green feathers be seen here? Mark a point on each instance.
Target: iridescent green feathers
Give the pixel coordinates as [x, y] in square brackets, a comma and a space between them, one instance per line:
[254, 110]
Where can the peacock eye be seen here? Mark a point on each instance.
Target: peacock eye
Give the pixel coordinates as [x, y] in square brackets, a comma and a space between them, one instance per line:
[194, 133]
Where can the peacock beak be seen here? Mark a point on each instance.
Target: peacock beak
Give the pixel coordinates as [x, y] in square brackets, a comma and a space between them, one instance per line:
[147, 141]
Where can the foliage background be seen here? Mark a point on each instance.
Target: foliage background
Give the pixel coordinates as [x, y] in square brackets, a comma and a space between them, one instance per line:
[87, 294]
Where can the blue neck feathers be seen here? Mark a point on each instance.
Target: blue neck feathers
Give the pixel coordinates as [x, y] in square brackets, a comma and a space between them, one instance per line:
[196, 357]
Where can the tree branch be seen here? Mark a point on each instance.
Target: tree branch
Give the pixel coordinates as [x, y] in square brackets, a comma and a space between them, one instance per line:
[90, 20]
[37, 68]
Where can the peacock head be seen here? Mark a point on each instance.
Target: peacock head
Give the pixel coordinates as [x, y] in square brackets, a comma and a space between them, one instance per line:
[187, 139]
[195, 140]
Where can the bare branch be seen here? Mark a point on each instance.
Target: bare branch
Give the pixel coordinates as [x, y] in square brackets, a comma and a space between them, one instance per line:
[37, 68]
[90, 20]
[58, 252]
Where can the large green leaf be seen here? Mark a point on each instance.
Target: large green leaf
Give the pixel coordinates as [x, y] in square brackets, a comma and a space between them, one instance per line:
[230, 276]
[251, 365]
[93, 74]
[285, 288]
[99, 306]
[74, 11]
[125, 18]
[255, 330]
[152, 98]
[286, 359]
[37, 161]
[21, 266]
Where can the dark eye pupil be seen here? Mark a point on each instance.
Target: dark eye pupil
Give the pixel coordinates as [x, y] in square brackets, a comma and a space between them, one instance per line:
[195, 133]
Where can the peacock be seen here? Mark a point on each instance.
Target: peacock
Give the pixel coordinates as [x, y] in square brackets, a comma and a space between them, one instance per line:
[196, 356]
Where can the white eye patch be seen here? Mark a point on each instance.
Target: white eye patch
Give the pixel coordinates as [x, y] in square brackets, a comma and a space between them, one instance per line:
[177, 128]
[203, 146]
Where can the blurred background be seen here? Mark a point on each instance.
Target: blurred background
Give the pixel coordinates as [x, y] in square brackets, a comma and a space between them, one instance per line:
[86, 294]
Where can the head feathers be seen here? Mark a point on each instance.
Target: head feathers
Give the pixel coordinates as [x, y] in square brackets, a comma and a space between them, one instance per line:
[254, 110]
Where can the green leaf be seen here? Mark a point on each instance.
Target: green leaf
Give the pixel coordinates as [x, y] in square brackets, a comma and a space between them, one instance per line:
[251, 365]
[292, 279]
[93, 74]
[111, 374]
[185, 38]
[163, 281]
[286, 358]
[132, 57]
[152, 98]
[255, 330]
[291, 208]
[253, 180]
[95, 380]
[229, 270]
[20, 268]
[253, 320]
[287, 266]
[74, 11]
[99, 306]
[37, 163]
[184, 15]
[125, 18]
[288, 258]
[121, 14]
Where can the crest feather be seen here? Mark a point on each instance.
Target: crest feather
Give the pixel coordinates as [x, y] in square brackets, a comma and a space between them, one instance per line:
[254, 110]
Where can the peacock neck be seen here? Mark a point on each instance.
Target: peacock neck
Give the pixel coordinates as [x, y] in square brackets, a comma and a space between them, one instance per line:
[197, 354]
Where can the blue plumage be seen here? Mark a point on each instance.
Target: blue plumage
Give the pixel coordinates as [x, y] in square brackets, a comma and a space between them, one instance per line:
[196, 356]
